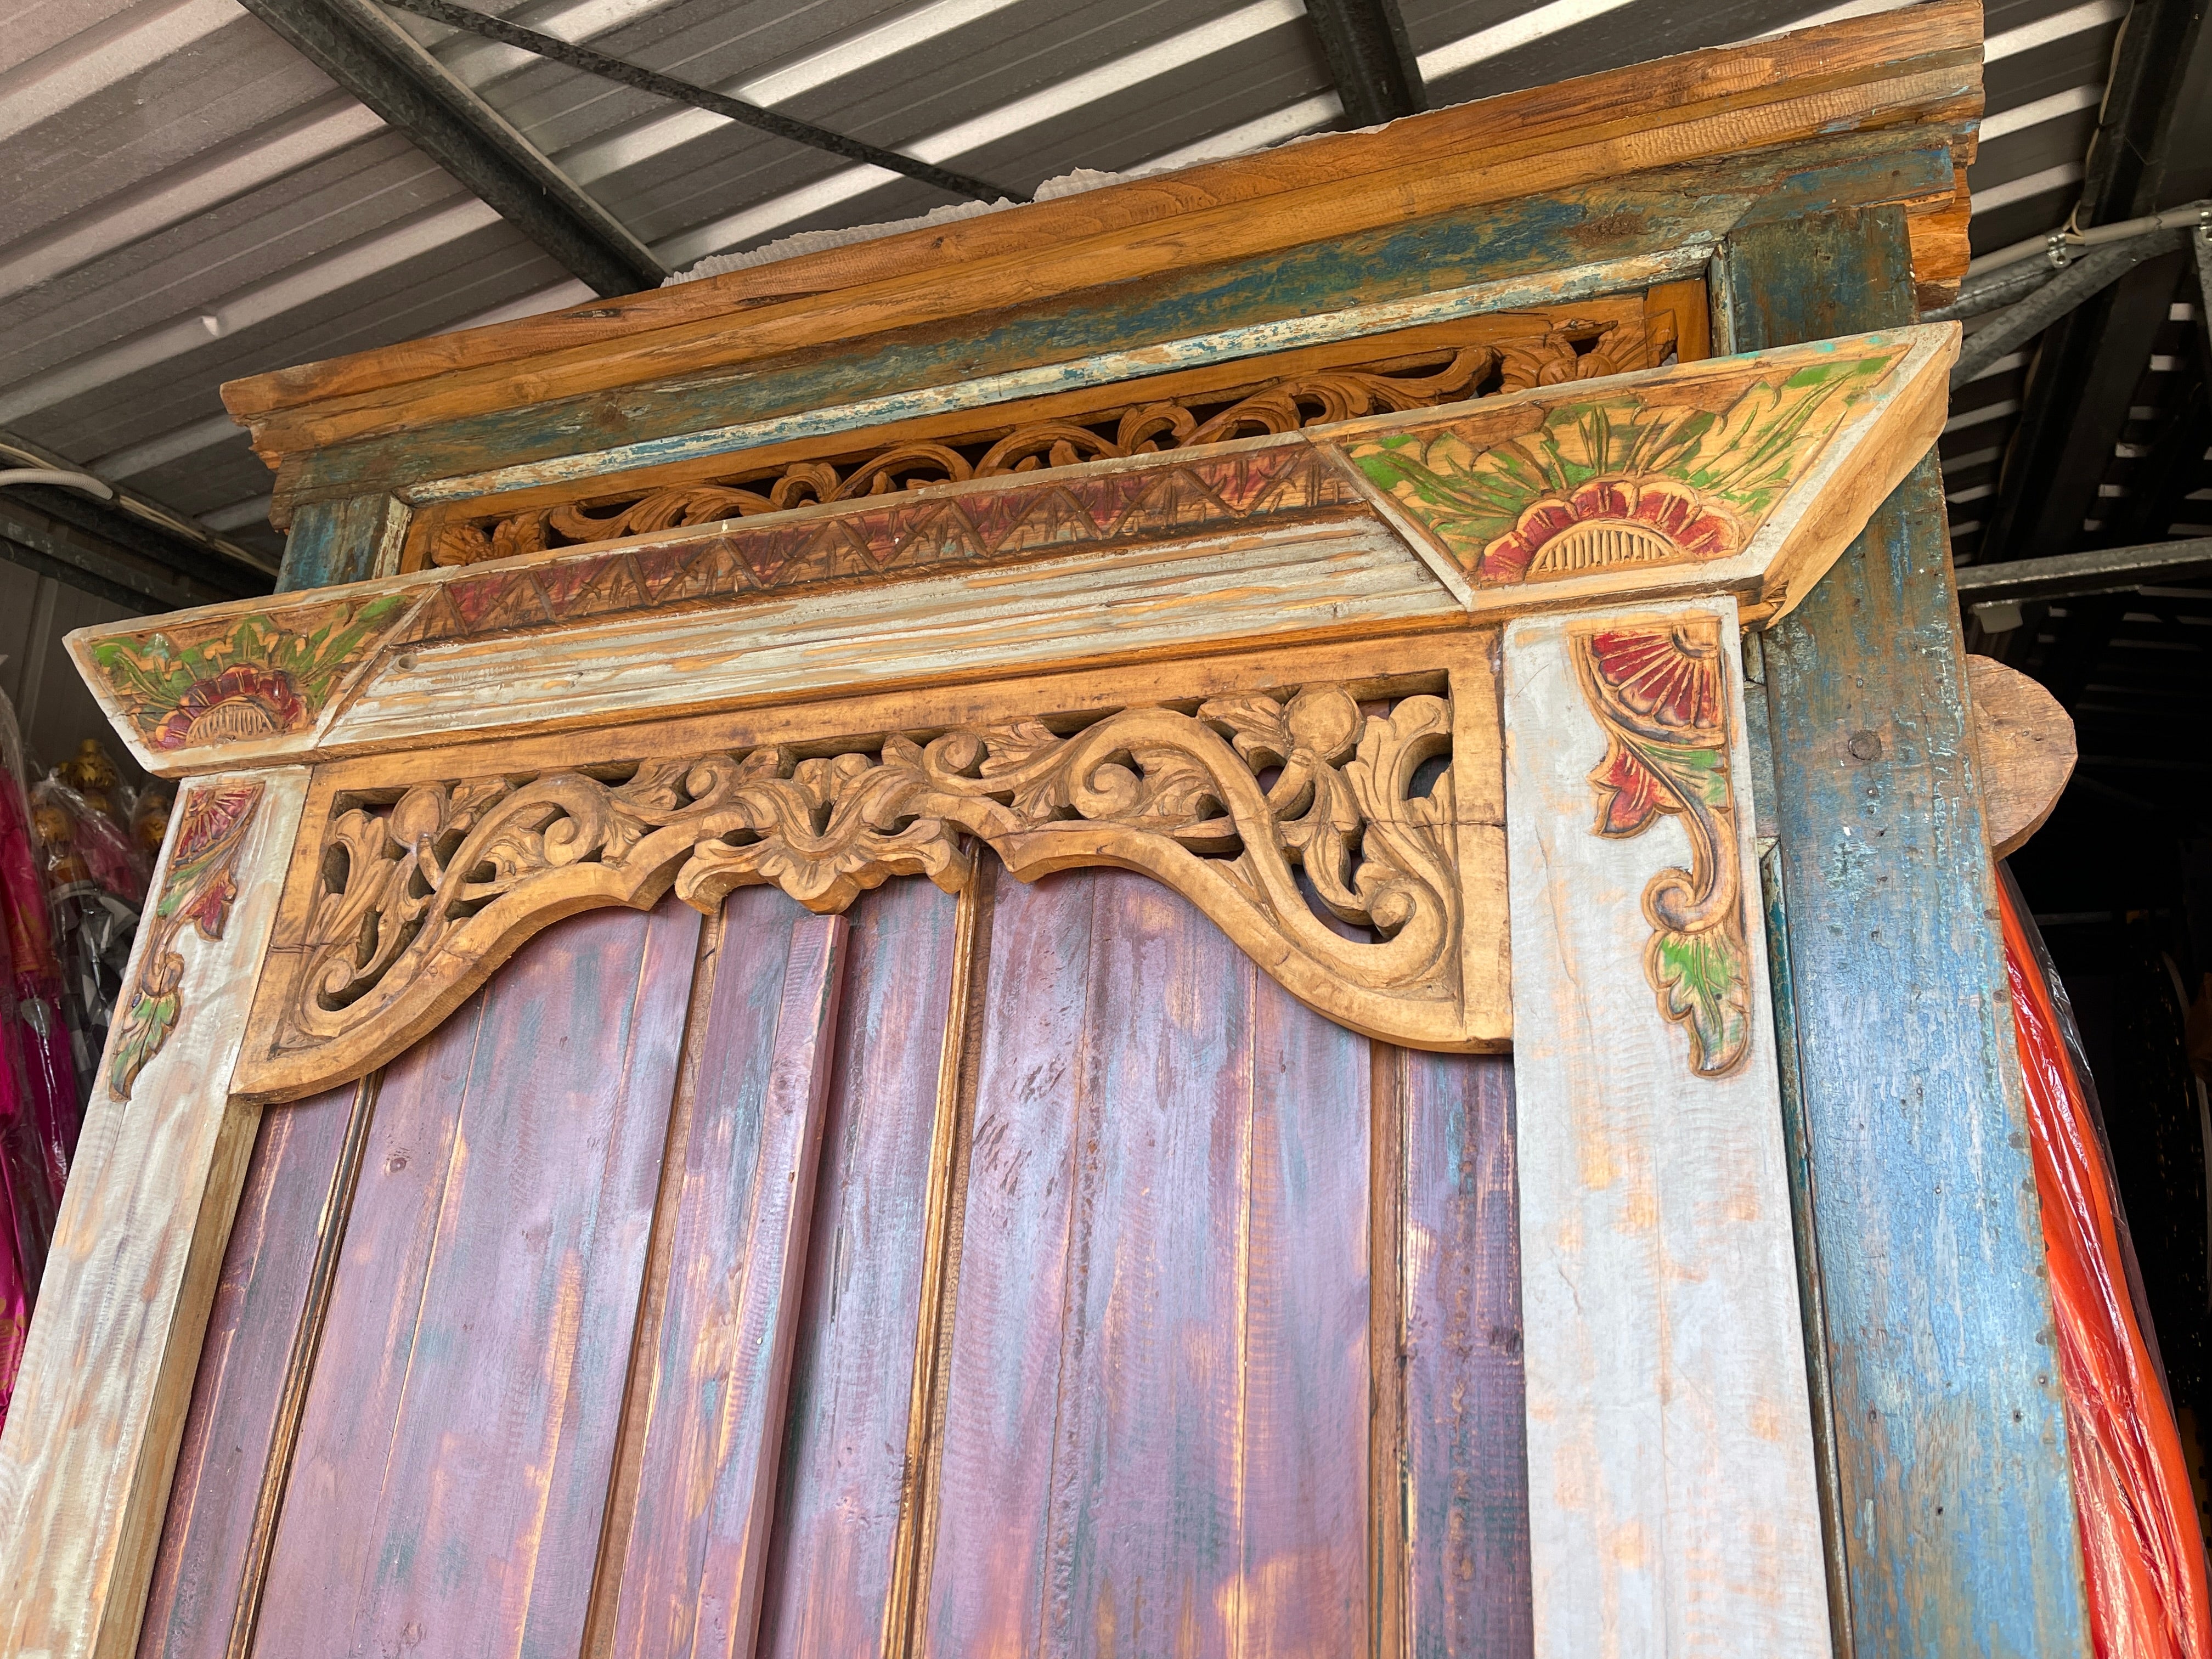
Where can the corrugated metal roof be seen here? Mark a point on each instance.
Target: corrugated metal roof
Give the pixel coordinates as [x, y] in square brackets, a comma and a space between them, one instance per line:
[190, 201]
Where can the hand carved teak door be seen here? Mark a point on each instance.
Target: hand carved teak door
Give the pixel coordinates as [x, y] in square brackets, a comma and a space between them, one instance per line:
[1005, 1287]
[986, 1184]
[996, 1272]
[1047, 939]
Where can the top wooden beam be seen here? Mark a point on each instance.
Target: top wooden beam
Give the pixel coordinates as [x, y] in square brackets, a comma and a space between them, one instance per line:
[1920, 66]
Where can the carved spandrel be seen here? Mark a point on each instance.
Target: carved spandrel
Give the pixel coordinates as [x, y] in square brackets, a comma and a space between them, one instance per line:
[1320, 833]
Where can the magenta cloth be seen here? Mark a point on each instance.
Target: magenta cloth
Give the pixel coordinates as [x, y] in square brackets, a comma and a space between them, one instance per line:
[36, 1017]
[23, 1184]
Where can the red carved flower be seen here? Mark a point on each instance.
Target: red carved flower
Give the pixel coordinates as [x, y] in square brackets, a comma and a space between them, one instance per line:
[1662, 685]
[1675, 513]
[241, 701]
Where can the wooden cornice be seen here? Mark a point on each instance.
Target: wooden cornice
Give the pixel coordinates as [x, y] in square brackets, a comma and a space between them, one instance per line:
[1918, 67]
[1742, 474]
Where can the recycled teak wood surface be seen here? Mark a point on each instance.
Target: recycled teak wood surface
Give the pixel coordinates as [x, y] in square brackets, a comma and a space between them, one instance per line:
[1048, 937]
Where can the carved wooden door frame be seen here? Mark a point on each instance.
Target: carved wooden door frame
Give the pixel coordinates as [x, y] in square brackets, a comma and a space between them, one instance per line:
[1474, 672]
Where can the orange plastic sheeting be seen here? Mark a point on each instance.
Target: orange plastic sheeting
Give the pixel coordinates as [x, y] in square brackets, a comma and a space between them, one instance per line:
[2143, 1553]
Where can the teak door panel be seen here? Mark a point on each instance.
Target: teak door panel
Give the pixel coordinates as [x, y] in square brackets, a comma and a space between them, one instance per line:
[1155, 1412]
[447, 1490]
[988, 1273]
[276, 1274]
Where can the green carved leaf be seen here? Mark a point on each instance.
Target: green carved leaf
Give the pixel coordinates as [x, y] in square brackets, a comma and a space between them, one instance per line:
[1701, 982]
[139, 1035]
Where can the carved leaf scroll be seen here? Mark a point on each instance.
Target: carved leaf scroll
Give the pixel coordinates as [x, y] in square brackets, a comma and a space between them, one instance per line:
[198, 891]
[1661, 694]
[1257, 808]
[1572, 350]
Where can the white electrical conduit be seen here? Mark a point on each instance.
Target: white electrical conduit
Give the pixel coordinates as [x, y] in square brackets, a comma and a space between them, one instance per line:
[47, 475]
[2173, 218]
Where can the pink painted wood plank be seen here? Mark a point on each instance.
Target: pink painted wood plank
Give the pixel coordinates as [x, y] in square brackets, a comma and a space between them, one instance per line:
[258, 1307]
[1466, 1446]
[695, 1564]
[457, 1442]
[851, 1382]
[1156, 1416]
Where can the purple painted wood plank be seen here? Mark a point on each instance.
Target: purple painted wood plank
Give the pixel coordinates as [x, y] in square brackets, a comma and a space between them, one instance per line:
[258, 1305]
[1156, 1415]
[457, 1442]
[695, 1566]
[996, 1467]
[1465, 1438]
[852, 1382]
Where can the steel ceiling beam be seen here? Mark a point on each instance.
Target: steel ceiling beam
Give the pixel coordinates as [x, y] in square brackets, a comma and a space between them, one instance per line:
[157, 531]
[628, 74]
[27, 541]
[2107, 570]
[1371, 59]
[365, 52]
[2150, 147]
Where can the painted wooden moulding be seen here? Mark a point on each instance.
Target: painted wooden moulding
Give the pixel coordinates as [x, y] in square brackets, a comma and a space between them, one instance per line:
[1744, 475]
[198, 892]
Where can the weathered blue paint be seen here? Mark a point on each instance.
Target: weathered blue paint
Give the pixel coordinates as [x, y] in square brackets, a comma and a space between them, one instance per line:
[1647, 215]
[1818, 1388]
[1954, 1499]
[333, 542]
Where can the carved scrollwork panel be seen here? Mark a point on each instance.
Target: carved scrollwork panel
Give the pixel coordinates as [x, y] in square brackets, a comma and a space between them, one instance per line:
[1319, 833]
[1394, 380]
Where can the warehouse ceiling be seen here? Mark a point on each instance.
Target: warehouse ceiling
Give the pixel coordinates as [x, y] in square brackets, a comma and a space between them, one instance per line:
[201, 189]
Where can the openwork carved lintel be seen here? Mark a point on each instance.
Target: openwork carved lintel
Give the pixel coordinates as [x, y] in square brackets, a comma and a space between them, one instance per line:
[1319, 834]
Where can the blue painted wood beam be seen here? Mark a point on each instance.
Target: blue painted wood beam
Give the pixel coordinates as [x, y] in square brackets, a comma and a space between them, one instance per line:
[1953, 1499]
[1646, 214]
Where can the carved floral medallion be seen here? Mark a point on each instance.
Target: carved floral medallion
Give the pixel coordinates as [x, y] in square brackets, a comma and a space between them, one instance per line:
[244, 678]
[1613, 481]
[1661, 692]
[198, 891]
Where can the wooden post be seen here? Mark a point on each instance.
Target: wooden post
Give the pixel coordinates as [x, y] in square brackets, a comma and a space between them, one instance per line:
[1954, 1499]
[99, 1401]
[1672, 1505]
[343, 541]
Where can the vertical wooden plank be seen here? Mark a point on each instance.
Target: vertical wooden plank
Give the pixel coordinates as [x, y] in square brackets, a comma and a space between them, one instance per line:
[846, 1448]
[1672, 1503]
[106, 1376]
[1388, 1486]
[1954, 1485]
[352, 540]
[696, 1565]
[456, 1443]
[1466, 1462]
[958, 1061]
[1156, 1423]
[294, 1204]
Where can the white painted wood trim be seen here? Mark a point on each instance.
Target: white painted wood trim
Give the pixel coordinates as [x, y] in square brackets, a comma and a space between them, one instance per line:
[1215, 593]
[1672, 1504]
[92, 1433]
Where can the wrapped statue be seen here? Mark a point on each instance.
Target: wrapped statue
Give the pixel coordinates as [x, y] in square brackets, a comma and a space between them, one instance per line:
[96, 896]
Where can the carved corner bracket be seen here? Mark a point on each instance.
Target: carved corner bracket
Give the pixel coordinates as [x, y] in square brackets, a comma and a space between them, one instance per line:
[1319, 833]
